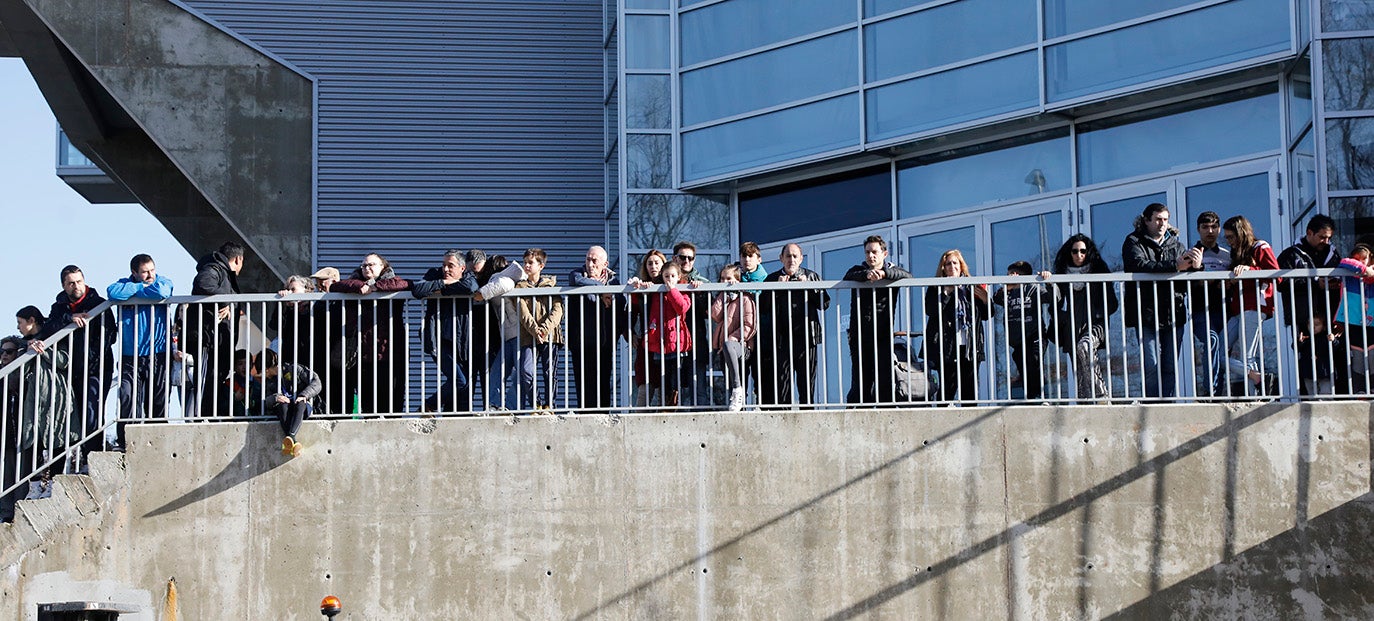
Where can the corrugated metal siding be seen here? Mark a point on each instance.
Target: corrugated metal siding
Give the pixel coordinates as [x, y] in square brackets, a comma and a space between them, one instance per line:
[445, 123]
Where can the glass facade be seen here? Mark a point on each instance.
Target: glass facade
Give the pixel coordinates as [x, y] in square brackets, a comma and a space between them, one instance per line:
[720, 96]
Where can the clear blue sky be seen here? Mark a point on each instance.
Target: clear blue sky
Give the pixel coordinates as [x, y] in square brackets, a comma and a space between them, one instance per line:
[47, 225]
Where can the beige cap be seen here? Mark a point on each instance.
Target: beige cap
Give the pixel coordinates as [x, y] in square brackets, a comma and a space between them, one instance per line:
[327, 272]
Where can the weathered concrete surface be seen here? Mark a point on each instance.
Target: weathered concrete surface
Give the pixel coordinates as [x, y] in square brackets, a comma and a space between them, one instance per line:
[214, 137]
[1022, 513]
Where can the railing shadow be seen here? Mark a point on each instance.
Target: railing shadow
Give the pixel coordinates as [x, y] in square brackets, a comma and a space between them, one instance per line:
[773, 521]
[253, 459]
[1081, 500]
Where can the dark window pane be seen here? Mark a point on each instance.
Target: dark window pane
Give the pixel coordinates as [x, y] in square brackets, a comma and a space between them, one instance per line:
[1350, 154]
[955, 96]
[1175, 45]
[774, 137]
[946, 34]
[1233, 124]
[661, 220]
[997, 171]
[829, 204]
[648, 103]
[1348, 68]
[1305, 172]
[648, 161]
[1354, 220]
[1243, 196]
[1299, 105]
[729, 27]
[1033, 239]
[1339, 15]
[774, 77]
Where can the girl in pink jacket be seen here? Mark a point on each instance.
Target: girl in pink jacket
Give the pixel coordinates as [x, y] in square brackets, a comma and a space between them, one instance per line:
[736, 317]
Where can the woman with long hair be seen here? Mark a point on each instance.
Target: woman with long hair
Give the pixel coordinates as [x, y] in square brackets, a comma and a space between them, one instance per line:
[1081, 311]
[954, 328]
[1247, 300]
[647, 378]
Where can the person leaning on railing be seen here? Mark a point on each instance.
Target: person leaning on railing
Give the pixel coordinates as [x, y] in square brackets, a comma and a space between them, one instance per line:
[90, 343]
[213, 330]
[503, 333]
[1249, 302]
[541, 334]
[327, 343]
[594, 324]
[1310, 303]
[376, 330]
[954, 329]
[1081, 312]
[791, 334]
[12, 467]
[1157, 310]
[1354, 319]
[445, 330]
[870, 326]
[143, 332]
[646, 379]
[45, 406]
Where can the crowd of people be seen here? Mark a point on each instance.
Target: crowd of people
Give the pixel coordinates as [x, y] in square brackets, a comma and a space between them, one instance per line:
[352, 355]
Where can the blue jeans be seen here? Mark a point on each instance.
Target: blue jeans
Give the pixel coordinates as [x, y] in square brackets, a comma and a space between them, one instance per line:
[502, 376]
[1161, 359]
[1243, 342]
[546, 355]
[1209, 328]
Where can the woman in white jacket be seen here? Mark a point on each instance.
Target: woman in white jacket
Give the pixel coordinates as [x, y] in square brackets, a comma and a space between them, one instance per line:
[502, 377]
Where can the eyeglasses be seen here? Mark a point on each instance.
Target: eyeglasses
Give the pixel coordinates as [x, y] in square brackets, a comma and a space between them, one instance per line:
[687, 257]
[8, 351]
[1078, 251]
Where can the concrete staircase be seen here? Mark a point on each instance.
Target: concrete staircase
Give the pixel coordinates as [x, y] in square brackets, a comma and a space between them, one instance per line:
[77, 501]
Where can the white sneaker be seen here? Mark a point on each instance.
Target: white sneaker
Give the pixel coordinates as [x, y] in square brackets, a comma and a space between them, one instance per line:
[737, 399]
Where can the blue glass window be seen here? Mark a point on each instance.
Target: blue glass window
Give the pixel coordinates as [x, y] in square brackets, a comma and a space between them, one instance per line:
[1305, 172]
[1344, 15]
[647, 42]
[1348, 74]
[1063, 17]
[816, 206]
[648, 161]
[955, 96]
[1033, 239]
[774, 137]
[729, 27]
[1113, 221]
[1349, 151]
[1229, 127]
[775, 77]
[999, 171]
[1208, 37]
[924, 251]
[1243, 196]
[647, 4]
[648, 102]
[1299, 105]
[946, 34]
[661, 220]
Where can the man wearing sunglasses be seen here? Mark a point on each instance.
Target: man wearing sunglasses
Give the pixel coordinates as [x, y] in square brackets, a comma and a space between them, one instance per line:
[699, 321]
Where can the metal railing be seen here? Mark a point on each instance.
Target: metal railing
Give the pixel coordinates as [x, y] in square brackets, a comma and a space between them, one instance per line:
[1069, 339]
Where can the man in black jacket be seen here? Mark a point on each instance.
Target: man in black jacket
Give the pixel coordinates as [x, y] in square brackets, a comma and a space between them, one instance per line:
[1309, 304]
[212, 332]
[1157, 309]
[594, 322]
[871, 324]
[790, 332]
[447, 330]
[91, 362]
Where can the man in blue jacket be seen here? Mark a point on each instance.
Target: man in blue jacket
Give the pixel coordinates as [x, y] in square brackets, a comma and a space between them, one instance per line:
[143, 328]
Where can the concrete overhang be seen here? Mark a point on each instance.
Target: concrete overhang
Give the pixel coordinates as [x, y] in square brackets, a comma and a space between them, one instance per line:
[213, 136]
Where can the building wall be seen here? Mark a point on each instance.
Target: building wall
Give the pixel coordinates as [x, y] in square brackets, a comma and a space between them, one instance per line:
[1228, 511]
[446, 124]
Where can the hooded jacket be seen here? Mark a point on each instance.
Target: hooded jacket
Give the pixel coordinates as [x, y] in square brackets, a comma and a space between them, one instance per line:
[1160, 304]
[542, 313]
[448, 319]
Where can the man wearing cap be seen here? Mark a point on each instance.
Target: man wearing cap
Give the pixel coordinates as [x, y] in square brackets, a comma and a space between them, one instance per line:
[327, 337]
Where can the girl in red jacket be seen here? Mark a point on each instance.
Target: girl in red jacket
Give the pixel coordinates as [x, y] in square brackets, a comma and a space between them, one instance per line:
[670, 341]
[1249, 303]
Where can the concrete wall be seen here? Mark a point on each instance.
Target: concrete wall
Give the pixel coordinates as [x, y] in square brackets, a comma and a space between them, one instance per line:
[1022, 513]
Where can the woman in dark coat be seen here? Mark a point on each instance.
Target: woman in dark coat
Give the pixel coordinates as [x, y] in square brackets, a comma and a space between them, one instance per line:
[1081, 310]
[374, 332]
[954, 328]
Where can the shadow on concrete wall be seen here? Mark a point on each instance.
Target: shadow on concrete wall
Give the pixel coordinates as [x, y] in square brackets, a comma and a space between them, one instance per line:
[256, 456]
[1294, 544]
